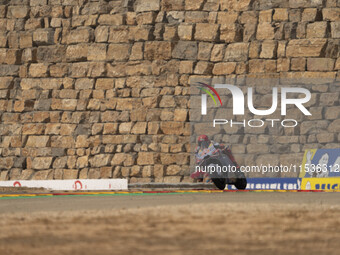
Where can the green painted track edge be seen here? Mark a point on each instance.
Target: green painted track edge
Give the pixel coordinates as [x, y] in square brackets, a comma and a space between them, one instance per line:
[95, 195]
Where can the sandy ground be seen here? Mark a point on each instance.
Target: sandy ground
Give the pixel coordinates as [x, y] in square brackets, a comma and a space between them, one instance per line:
[235, 223]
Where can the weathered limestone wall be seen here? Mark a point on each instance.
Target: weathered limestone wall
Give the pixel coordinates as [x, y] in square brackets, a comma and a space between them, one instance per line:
[100, 88]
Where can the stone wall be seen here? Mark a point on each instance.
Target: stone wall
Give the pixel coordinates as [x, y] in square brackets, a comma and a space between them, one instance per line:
[100, 88]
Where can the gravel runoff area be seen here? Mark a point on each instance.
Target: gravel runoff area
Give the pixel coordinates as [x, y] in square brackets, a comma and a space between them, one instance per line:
[190, 223]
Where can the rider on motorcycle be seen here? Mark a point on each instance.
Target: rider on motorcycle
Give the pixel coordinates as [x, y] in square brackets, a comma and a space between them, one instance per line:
[208, 147]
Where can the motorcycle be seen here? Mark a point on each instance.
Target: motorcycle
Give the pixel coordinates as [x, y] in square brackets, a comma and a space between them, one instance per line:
[223, 171]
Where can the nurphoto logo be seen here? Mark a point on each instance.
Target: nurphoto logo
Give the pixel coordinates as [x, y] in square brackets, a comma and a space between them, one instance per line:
[238, 108]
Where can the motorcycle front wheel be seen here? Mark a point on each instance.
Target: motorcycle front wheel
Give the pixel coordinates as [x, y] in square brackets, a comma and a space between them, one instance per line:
[241, 181]
[218, 179]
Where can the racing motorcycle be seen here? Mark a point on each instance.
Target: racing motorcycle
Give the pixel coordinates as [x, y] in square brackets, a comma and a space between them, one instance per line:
[223, 171]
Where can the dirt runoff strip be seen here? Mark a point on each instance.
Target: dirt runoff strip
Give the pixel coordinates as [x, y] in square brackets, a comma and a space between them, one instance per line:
[235, 228]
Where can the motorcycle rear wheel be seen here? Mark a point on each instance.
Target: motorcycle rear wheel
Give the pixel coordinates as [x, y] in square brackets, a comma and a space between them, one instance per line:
[241, 181]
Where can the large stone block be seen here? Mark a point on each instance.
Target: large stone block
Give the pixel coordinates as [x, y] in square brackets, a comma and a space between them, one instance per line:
[335, 29]
[257, 148]
[128, 104]
[236, 52]
[231, 33]
[58, 70]
[167, 101]
[137, 52]
[145, 158]
[101, 33]
[111, 19]
[147, 5]
[96, 69]
[77, 70]
[69, 174]
[206, 32]
[139, 128]
[204, 50]
[306, 48]
[334, 127]
[38, 70]
[203, 67]
[298, 64]
[43, 36]
[94, 173]
[84, 83]
[224, 68]
[25, 40]
[17, 11]
[225, 18]
[325, 138]
[332, 113]
[320, 64]
[249, 32]
[21, 106]
[317, 30]
[173, 170]
[110, 128]
[180, 114]
[26, 174]
[337, 64]
[217, 52]
[33, 129]
[118, 34]
[41, 163]
[194, 5]
[268, 49]
[105, 83]
[302, 3]
[34, 23]
[332, 14]
[100, 160]
[157, 50]
[55, 53]
[146, 18]
[235, 5]
[43, 174]
[185, 50]
[140, 33]
[309, 14]
[265, 31]
[97, 52]
[280, 14]
[261, 66]
[106, 172]
[3, 9]
[64, 104]
[47, 83]
[125, 128]
[172, 127]
[3, 39]
[77, 52]
[80, 35]
[13, 57]
[6, 82]
[185, 31]
[38, 2]
[307, 78]
[38, 141]
[172, 5]
[329, 99]
[266, 16]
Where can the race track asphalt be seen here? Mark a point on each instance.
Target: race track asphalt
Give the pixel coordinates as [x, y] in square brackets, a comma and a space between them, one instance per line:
[109, 202]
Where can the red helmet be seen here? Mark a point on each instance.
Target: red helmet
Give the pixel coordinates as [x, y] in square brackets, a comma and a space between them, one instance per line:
[203, 141]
